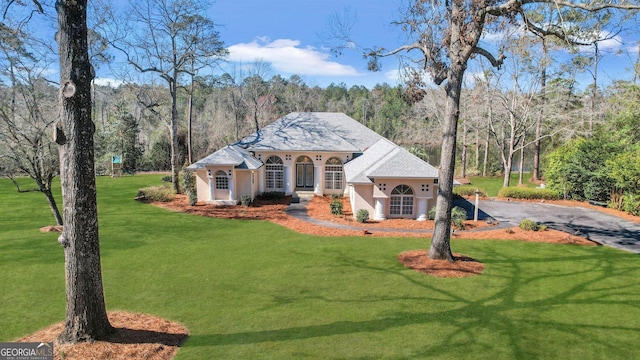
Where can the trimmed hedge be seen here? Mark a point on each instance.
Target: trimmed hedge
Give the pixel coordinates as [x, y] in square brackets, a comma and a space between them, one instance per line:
[271, 195]
[527, 193]
[468, 190]
[156, 193]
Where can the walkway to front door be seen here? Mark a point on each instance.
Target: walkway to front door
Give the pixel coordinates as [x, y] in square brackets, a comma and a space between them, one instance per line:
[304, 173]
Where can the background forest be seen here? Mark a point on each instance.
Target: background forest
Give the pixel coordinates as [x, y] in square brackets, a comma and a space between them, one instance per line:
[530, 115]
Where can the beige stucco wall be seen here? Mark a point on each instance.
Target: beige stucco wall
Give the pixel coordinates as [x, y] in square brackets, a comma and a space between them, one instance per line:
[244, 183]
[289, 158]
[361, 197]
[202, 184]
[423, 189]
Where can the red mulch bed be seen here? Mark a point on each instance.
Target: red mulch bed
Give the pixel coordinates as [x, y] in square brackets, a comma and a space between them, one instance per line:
[136, 336]
[461, 266]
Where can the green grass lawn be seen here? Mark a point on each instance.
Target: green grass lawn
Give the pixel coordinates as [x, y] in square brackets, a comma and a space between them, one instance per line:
[492, 185]
[255, 290]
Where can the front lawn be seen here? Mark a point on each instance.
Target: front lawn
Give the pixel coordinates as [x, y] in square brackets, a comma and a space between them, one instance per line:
[255, 290]
[492, 185]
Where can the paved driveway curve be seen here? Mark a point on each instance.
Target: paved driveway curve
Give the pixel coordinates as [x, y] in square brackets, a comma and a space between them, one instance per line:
[591, 224]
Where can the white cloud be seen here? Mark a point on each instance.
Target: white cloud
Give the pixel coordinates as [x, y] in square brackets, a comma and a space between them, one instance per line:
[286, 55]
[108, 82]
[393, 76]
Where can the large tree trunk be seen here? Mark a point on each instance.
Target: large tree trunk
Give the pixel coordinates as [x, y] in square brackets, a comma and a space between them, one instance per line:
[86, 316]
[173, 133]
[441, 242]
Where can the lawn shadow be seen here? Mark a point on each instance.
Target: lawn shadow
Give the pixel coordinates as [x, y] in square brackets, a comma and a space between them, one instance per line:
[134, 336]
[468, 315]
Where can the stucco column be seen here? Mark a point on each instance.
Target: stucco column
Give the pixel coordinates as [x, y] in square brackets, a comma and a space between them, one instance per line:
[261, 180]
[211, 185]
[422, 208]
[380, 206]
[232, 195]
[288, 180]
[318, 189]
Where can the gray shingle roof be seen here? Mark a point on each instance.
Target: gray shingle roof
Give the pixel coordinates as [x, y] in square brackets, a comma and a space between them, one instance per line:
[312, 131]
[385, 159]
[232, 155]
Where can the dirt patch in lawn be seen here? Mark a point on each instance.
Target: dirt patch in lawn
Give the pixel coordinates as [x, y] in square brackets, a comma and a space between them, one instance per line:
[136, 336]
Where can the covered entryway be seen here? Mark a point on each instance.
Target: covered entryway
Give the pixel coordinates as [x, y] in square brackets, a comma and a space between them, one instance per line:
[304, 173]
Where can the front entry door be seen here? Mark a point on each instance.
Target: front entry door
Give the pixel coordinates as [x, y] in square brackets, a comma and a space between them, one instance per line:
[304, 173]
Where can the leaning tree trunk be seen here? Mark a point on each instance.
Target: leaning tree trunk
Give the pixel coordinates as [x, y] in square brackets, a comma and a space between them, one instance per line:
[441, 241]
[86, 316]
[52, 205]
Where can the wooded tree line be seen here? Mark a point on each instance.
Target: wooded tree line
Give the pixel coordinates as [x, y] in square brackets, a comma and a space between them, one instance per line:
[497, 128]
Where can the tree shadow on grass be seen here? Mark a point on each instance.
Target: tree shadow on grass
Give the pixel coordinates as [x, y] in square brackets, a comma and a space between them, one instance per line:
[136, 336]
[515, 316]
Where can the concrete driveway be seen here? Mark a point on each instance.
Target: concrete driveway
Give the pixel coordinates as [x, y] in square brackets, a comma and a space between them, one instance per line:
[592, 224]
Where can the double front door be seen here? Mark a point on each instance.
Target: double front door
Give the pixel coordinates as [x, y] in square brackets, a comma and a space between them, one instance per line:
[304, 173]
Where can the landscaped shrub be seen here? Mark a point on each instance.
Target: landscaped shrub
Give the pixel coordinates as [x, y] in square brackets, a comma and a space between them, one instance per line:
[631, 204]
[245, 200]
[336, 207]
[271, 195]
[468, 190]
[458, 216]
[362, 216]
[189, 185]
[528, 225]
[527, 193]
[156, 193]
[335, 196]
[431, 215]
[167, 178]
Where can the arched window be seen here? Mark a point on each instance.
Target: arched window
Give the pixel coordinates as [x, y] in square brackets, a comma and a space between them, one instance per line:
[333, 174]
[401, 201]
[274, 173]
[222, 181]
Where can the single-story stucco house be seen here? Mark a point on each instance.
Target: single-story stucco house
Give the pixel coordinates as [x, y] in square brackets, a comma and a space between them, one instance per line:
[321, 153]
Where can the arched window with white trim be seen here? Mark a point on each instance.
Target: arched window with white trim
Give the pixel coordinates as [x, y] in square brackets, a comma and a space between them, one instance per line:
[274, 174]
[333, 175]
[401, 201]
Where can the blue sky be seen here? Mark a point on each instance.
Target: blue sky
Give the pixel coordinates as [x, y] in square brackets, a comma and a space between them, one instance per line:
[288, 35]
